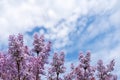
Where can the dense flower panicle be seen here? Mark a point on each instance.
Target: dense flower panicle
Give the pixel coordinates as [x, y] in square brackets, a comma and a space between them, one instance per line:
[42, 49]
[57, 66]
[16, 46]
[38, 43]
[58, 63]
[18, 55]
[84, 71]
[104, 72]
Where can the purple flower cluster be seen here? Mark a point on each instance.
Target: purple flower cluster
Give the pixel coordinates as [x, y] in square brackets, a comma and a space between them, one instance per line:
[57, 66]
[22, 63]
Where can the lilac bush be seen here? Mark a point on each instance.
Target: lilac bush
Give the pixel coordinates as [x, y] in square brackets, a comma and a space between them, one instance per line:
[22, 63]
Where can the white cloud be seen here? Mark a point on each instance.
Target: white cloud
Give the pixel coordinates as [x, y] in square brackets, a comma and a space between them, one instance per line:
[114, 19]
[23, 15]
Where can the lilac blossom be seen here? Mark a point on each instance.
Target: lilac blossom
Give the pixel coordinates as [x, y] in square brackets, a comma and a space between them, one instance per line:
[84, 71]
[22, 63]
[41, 48]
[57, 66]
[104, 72]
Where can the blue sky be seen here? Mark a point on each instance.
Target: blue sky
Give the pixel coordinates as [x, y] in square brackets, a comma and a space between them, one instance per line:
[71, 25]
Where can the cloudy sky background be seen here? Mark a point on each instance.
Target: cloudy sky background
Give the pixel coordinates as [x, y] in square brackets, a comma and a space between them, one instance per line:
[71, 25]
